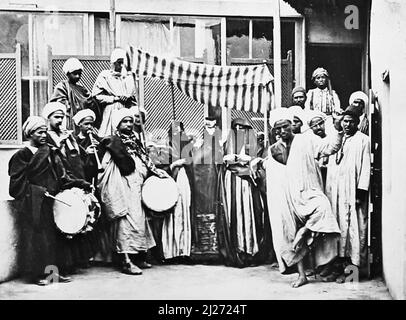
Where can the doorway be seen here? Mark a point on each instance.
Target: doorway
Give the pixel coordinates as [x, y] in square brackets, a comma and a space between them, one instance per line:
[343, 63]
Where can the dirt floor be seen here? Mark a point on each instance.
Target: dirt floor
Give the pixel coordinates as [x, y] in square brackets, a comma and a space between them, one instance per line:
[179, 282]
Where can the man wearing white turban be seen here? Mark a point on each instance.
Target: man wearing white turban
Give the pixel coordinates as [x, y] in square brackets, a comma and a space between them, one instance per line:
[114, 89]
[299, 121]
[34, 171]
[299, 209]
[63, 139]
[87, 140]
[69, 92]
[126, 165]
[359, 100]
[323, 97]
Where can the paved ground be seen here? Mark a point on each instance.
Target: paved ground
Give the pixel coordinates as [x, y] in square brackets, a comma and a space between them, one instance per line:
[181, 282]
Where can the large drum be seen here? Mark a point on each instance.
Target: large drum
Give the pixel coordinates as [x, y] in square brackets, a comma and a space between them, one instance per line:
[159, 194]
[75, 211]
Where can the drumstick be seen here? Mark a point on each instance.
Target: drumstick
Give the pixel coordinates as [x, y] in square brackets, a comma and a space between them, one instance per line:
[46, 194]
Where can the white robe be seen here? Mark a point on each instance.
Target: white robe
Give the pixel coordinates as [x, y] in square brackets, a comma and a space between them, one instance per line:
[108, 85]
[176, 229]
[295, 198]
[343, 180]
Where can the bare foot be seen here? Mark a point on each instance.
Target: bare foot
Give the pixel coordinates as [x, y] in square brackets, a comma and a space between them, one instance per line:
[299, 282]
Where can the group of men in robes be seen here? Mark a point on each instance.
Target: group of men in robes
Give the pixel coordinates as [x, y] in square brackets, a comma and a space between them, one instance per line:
[300, 203]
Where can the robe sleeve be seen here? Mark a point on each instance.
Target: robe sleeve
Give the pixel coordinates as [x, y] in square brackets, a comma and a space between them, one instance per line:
[309, 99]
[99, 90]
[330, 145]
[365, 170]
[60, 93]
[337, 104]
[18, 186]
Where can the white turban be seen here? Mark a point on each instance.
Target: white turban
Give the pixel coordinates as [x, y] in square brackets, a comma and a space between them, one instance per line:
[82, 114]
[298, 112]
[319, 71]
[118, 115]
[52, 107]
[72, 64]
[311, 114]
[33, 123]
[137, 110]
[118, 53]
[280, 114]
[358, 95]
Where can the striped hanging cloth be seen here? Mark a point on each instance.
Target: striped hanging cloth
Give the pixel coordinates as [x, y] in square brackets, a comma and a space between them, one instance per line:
[247, 88]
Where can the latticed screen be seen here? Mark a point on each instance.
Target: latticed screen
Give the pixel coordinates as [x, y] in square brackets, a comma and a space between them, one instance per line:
[92, 68]
[8, 101]
[163, 105]
[252, 117]
[287, 79]
[287, 83]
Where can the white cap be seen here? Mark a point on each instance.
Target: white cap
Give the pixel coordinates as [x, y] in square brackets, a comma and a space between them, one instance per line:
[72, 64]
[82, 114]
[279, 114]
[52, 107]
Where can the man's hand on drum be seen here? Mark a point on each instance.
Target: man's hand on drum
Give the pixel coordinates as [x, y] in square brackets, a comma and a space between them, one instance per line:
[243, 158]
[177, 163]
[162, 174]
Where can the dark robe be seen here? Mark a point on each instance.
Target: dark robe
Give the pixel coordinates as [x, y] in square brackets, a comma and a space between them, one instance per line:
[100, 237]
[81, 245]
[31, 175]
[76, 97]
[244, 247]
[70, 155]
[205, 167]
[89, 162]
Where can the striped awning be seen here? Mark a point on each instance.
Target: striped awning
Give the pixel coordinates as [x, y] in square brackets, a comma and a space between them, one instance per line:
[247, 88]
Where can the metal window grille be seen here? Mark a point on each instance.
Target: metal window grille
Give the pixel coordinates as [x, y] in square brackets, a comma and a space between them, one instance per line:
[10, 98]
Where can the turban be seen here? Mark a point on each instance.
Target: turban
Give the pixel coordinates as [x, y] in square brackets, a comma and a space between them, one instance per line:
[120, 114]
[298, 89]
[118, 53]
[311, 114]
[52, 107]
[72, 64]
[137, 109]
[358, 95]
[319, 71]
[82, 114]
[280, 114]
[298, 112]
[354, 111]
[33, 123]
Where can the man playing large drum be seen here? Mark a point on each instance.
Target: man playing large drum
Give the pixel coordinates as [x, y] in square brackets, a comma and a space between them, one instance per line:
[35, 170]
[126, 165]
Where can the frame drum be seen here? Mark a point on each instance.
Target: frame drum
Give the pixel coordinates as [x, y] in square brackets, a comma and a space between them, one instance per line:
[158, 194]
[71, 212]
